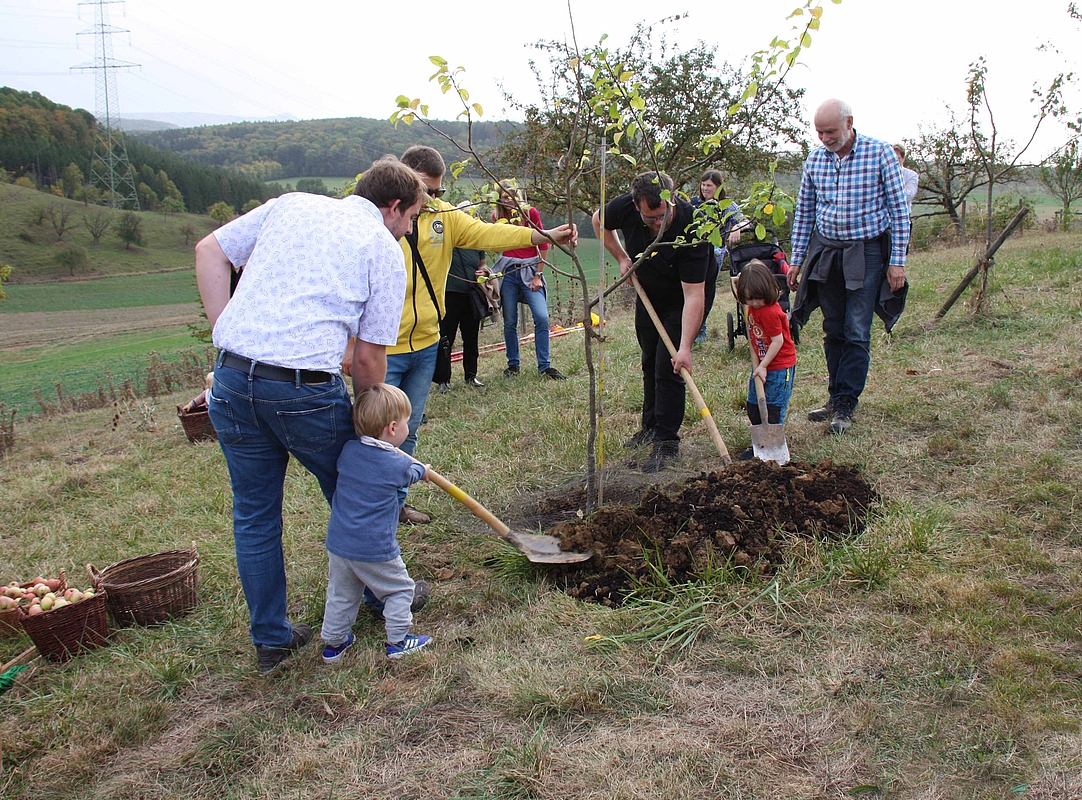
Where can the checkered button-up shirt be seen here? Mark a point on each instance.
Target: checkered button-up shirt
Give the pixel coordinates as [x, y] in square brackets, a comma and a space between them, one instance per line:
[851, 198]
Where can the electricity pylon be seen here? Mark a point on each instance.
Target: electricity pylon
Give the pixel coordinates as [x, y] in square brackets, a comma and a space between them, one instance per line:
[110, 169]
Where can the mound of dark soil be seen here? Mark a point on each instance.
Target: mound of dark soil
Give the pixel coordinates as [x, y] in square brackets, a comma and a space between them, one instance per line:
[743, 513]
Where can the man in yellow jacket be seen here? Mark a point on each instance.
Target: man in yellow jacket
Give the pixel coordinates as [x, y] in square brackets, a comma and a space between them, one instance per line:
[440, 228]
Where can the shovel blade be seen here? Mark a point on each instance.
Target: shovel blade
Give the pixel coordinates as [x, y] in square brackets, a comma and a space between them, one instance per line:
[768, 443]
[543, 549]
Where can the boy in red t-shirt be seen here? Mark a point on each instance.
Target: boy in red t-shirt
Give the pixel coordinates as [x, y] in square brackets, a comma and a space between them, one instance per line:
[768, 333]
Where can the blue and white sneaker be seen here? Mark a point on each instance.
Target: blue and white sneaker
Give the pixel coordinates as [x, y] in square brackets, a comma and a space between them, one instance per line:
[411, 644]
[332, 654]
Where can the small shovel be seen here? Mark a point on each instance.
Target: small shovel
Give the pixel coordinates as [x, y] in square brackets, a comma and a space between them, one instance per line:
[539, 548]
[767, 441]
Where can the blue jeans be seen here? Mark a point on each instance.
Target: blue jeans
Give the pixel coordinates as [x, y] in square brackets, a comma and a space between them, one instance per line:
[847, 326]
[511, 290]
[778, 388]
[412, 373]
[260, 423]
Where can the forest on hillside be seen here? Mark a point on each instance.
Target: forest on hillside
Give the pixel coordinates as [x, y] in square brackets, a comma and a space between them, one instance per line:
[313, 148]
[40, 140]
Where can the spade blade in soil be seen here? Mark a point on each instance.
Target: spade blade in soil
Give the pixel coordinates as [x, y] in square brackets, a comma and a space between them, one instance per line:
[539, 548]
[543, 549]
[768, 443]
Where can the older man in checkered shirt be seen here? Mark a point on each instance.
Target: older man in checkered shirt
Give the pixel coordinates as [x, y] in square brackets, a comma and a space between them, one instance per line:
[849, 240]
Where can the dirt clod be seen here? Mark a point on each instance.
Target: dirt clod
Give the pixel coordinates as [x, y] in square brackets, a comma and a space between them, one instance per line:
[743, 513]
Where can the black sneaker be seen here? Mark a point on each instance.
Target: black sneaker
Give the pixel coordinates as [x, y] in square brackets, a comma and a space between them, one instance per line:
[644, 436]
[823, 413]
[422, 593]
[510, 372]
[445, 388]
[664, 451]
[474, 383]
[746, 455]
[842, 420]
[270, 657]
[554, 374]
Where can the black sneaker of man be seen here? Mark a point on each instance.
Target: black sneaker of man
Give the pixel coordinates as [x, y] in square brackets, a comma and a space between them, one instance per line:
[664, 451]
[510, 372]
[270, 657]
[746, 455]
[554, 374]
[643, 436]
[842, 419]
[476, 384]
[422, 593]
[823, 413]
[408, 515]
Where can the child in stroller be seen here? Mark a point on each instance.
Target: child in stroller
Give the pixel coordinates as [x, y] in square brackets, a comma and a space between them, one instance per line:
[773, 256]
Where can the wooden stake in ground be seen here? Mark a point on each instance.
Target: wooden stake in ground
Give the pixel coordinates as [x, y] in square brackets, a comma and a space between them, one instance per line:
[984, 263]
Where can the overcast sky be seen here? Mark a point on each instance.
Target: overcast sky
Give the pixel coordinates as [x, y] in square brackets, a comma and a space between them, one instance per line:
[896, 63]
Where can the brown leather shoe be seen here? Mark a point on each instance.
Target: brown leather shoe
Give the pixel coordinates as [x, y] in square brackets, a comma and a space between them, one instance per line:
[411, 516]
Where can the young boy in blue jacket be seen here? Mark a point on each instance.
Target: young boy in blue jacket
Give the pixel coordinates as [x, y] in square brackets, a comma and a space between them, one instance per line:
[362, 543]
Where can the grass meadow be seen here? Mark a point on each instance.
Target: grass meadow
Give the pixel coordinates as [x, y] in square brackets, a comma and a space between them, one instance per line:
[28, 241]
[938, 654]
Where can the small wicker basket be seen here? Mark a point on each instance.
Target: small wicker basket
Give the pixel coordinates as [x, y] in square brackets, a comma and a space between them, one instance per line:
[149, 589]
[10, 625]
[61, 633]
[196, 424]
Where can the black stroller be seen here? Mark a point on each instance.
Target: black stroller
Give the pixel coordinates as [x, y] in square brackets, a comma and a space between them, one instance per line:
[774, 257]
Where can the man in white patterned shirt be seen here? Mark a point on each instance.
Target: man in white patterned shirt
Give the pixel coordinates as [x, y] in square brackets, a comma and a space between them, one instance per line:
[849, 241]
[317, 271]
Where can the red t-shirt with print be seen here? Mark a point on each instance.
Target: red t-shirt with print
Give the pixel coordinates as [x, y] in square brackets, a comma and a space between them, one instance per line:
[763, 325]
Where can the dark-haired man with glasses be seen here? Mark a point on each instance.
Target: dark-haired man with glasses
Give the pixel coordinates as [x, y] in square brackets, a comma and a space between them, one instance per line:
[440, 228]
[673, 278]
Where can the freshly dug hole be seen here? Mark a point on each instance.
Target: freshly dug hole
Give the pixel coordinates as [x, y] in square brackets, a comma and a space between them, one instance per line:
[741, 513]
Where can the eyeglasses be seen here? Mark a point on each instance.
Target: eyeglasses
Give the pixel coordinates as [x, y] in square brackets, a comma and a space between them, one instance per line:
[435, 192]
[655, 218]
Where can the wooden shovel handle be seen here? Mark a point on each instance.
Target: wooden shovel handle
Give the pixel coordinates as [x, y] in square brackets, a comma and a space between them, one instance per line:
[704, 410]
[479, 510]
[760, 390]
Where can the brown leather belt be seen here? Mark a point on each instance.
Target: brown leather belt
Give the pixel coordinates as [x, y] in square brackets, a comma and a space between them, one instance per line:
[272, 373]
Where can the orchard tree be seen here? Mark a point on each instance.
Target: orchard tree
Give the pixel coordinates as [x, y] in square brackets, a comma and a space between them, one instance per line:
[71, 257]
[97, 222]
[609, 116]
[129, 228]
[999, 157]
[946, 159]
[1061, 175]
[691, 98]
[60, 216]
[5, 273]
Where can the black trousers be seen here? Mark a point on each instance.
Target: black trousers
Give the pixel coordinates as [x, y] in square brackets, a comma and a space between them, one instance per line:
[663, 391]
[459, 316]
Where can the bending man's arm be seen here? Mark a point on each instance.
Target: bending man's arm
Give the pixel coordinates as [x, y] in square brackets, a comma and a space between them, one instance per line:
[212, 270]
[368, 365]
[690, 322]
[612, 245]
